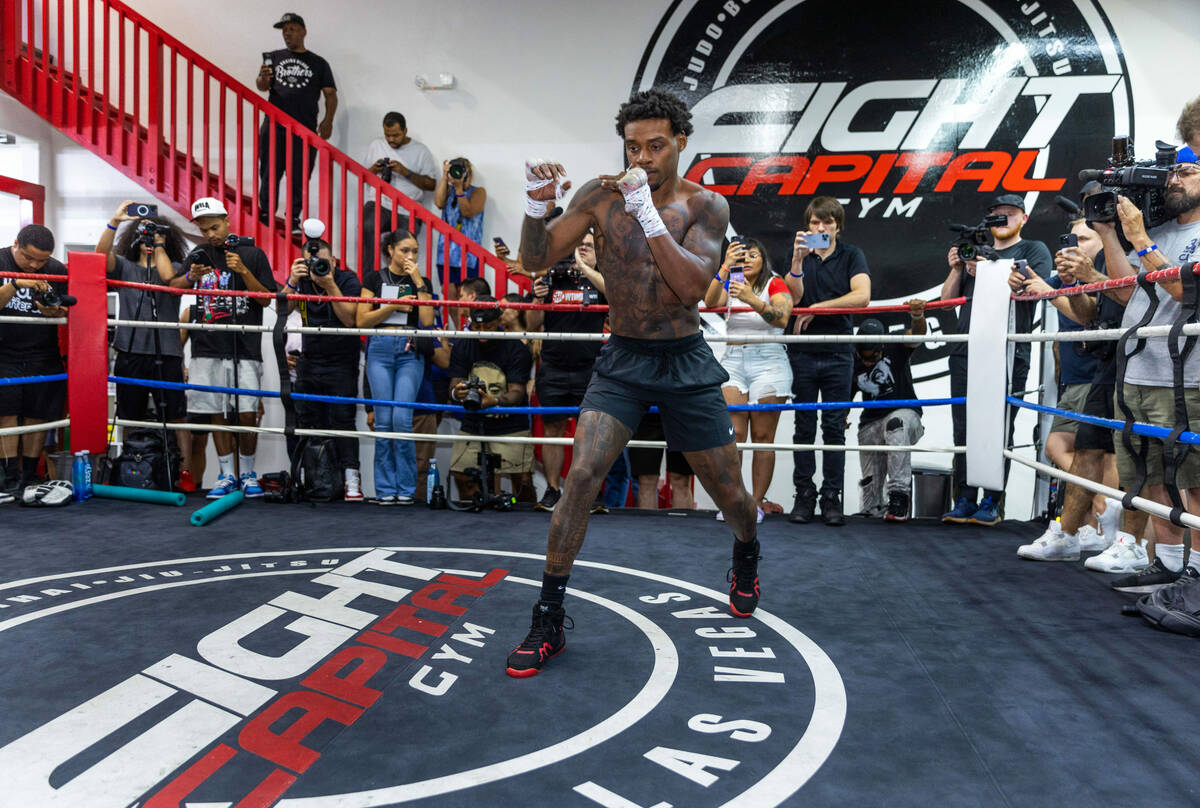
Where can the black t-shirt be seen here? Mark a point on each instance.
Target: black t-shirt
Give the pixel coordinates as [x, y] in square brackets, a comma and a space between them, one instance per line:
[240, 310]
[574, 355]
[334, 347]
[498, 362]
[1109, 314]
[297, 84]
[28, 343]
[374, 279]
[826, 280]
[1073, 367]
[889, 379]
[1040, 261]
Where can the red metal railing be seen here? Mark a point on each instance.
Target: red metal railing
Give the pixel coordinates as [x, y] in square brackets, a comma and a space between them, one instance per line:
[125, 89]
[34, 193]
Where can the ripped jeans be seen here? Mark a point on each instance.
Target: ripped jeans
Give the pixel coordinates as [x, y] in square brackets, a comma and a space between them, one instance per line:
[885, 472]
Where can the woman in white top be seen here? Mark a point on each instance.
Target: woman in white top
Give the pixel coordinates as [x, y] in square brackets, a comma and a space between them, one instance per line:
[758, 372]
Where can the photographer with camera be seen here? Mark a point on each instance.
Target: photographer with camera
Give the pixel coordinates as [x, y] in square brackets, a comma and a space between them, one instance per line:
[295, 79]
[566, 368]
[461, 205]
[396, 365]
[328, 365]
[29, 351]
[825, 273]
[405, 164]
[487, 373]
[998, 237]
[1148, 389]
[223, 358]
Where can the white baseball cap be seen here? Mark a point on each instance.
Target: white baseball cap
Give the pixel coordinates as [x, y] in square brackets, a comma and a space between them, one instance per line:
[208, 206]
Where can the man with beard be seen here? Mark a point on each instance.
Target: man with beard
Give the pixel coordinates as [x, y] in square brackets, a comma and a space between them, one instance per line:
[1008, 245]
[1149, 381]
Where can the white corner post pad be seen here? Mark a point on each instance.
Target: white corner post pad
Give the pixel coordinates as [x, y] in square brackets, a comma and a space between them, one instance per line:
[987, 375]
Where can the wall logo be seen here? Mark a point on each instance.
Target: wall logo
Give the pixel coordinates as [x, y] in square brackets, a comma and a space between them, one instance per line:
[344, 677]
[913, 120]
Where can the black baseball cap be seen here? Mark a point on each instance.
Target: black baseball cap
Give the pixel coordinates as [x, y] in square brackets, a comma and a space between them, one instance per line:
[291, 16]
[1007, 199]
[870, 328]
[481, 316]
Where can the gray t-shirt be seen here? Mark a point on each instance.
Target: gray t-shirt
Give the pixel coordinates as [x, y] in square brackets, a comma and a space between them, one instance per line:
[139, 304]
[1152, 367]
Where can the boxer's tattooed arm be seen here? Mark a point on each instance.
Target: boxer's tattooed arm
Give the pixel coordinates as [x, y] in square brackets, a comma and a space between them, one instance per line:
[689, 267]
[542, 245]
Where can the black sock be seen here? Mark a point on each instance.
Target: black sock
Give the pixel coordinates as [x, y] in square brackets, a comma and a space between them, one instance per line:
[554, 587]
[12, 471]
[29, 468]
[745, 549]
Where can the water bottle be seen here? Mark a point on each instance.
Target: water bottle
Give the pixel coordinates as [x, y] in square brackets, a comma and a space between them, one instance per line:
[77, 477]
[87, 475]
[432, 479]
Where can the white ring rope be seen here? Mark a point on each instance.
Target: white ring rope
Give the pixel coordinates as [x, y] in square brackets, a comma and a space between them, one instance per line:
[27, 429]
[1103, 334]
[8, 318]
[1141, 503]
[438, 437]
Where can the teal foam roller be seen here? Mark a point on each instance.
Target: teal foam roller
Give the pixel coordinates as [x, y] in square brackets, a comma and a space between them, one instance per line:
[217, 507]
[139, 494]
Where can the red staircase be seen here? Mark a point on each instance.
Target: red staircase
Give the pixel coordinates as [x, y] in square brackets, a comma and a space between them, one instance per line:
[182, 128]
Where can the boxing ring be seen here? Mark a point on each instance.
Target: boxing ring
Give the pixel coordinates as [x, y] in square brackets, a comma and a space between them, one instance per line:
[343, 655]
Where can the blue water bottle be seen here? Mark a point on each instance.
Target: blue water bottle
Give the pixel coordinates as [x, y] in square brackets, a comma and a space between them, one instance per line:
[432, 479]
[87, 475]
[77, 477]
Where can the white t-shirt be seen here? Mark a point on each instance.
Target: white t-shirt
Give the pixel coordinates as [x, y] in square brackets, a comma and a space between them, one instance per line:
[749, 322]
[1152, 367]
[414, 156]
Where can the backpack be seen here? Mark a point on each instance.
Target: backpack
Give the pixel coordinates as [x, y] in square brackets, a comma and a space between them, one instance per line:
[278, 487]
[1175, 607]
[316, 472]
[143, 461]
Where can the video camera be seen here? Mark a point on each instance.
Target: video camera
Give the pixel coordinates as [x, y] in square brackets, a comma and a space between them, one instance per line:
[317, 267]
[1142, 181]
[147, 230]
[564, 275]
[975, 242]
[476, 389]
[53, 299]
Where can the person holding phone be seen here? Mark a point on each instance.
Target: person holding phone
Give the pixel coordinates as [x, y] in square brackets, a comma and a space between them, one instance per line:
[395, 364]
[834, 275]
[758, 373]
[1008, 245]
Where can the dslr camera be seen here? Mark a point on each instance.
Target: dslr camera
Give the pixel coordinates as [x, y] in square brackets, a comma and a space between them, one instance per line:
[457, 168]
[317, 267]
[476, 389]
[53, 299]
[232, 242]
[384, 167]
[1143, 182]
[564, 275]
[975, 242]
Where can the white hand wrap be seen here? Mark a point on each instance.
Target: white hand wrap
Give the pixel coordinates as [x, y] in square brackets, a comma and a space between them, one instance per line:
[635, 187]
[535, 208]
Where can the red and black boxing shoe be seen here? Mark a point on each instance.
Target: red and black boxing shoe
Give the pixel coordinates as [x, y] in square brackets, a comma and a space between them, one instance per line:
[546, 639]
[743, 579]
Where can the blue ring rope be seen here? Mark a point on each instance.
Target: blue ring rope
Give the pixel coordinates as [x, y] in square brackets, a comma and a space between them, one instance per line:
[55, 377]
[1146, 430]
[452, 408]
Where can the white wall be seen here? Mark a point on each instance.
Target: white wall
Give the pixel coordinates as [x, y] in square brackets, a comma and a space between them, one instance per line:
[536, 77]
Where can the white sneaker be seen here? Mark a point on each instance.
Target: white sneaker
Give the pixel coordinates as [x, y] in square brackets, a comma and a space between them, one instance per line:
[354, 485]
[1090, 541]
[720, 517]
[1110, 520]
[1124, 555]
[1053, 545]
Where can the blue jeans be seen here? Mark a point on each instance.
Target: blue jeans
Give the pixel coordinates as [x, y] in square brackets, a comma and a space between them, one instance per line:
[395, 373]
[829, 376]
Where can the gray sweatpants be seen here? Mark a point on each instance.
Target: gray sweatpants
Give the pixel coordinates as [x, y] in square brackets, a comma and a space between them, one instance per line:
[901, 427]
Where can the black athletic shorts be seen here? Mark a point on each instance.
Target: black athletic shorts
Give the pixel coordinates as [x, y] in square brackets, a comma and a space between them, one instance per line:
[1099, 402]
[560, 387]
[133, 401]
[646, 462]
[680, 376]
[42, 400]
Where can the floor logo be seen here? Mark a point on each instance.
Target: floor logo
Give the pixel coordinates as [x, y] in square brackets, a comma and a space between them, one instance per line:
[912, 119]
[374, 676]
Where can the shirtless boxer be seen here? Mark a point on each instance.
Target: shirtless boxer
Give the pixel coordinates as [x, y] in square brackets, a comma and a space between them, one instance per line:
[658, 245]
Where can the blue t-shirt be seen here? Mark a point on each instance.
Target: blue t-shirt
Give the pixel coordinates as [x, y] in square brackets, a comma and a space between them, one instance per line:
[1073, 367]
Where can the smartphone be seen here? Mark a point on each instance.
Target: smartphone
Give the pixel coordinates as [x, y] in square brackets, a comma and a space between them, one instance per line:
[1022, 266]
[737, 275]
[499, 242]
[268, 59]
[141, 210]
[1068, 240]
[817, 241]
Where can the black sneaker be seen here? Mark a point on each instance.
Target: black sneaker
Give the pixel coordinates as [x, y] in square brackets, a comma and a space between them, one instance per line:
[898, 507]
[831, 509]
[743, 579]
[546, 639]
[1153, 577]
[549, 499]
[803, 508]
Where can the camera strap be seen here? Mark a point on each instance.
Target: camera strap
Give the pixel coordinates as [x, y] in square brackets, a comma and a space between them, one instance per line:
[279, 340]
[1173, 451]
[1139, 456]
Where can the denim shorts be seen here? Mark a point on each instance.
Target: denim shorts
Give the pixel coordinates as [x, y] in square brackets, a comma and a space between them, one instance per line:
[758, 371]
